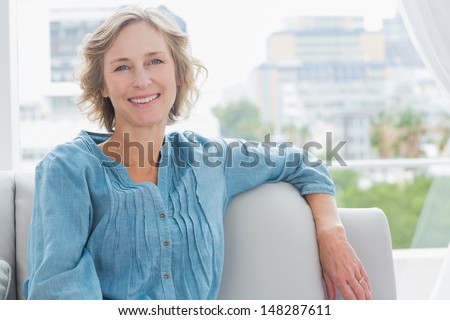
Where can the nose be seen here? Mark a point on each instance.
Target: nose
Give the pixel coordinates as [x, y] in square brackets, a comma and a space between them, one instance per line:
[142, 78]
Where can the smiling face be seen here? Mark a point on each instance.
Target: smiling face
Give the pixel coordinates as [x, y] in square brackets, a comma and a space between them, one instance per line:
[139, 77]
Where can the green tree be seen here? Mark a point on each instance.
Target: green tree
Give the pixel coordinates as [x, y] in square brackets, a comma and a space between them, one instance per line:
[298, 135]
[241, 120]
[443, 131]
[344, 179]
[402, 202]
[383, 134]
[398, 133]
[411, 128]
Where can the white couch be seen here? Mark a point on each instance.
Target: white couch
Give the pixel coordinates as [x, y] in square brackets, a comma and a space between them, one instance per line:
[262, 260]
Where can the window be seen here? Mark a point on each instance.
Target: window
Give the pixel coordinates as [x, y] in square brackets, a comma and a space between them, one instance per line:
[309, 69]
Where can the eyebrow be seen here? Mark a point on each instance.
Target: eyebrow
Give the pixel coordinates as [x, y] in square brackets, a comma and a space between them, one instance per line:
[149, 54]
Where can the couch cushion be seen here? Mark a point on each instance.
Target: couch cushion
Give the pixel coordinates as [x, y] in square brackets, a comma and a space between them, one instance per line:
[5, 279]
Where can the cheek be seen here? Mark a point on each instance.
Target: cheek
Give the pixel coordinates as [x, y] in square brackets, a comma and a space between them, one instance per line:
[113, 88]
[168, 78]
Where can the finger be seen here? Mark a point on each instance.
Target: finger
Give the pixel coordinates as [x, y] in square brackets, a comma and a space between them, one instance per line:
[358, 287]
[331, 290]
[365, 283]
[367, 280]
[347, 291]
[367, 292]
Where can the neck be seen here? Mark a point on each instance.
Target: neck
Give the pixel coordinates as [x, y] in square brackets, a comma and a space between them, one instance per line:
[135, 149]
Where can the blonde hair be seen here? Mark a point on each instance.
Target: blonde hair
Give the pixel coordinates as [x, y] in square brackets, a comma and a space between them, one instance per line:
[90, 72]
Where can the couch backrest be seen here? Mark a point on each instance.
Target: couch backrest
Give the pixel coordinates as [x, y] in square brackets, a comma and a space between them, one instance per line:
[7, 226]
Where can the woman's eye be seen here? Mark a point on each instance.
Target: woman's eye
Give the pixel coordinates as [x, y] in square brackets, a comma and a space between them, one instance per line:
[155, 61]
[121, 68]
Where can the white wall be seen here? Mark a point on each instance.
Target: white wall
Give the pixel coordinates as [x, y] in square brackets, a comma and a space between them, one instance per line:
[416, 271]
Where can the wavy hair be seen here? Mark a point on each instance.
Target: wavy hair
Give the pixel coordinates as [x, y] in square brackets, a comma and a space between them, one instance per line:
[93, 49]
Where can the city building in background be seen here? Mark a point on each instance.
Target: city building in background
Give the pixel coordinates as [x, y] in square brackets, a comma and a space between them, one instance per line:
[328, 74]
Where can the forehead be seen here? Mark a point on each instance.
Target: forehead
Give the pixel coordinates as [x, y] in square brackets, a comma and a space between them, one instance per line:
[137, 38]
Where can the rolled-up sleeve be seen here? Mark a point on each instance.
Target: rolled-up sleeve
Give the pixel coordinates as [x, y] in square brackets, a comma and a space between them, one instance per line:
[250, 164]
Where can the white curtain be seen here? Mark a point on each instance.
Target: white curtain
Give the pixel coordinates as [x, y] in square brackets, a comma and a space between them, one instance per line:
[428, 25]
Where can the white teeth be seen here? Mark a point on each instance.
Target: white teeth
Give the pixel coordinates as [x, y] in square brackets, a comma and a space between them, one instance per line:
[144, 100]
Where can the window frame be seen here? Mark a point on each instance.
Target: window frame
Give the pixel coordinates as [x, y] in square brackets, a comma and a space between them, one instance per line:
[9, 111]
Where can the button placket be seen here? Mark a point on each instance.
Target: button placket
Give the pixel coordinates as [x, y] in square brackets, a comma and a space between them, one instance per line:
[161, 220]
[166, 252]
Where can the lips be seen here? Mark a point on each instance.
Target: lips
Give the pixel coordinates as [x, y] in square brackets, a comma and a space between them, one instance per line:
[144, 100]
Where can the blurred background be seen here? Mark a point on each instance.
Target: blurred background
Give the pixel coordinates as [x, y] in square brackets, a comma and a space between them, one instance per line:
[294, 69]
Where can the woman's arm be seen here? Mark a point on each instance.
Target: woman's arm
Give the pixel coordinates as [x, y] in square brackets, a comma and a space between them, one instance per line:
[253, 164]
[250, 164]
[341, 267]
[60, 267]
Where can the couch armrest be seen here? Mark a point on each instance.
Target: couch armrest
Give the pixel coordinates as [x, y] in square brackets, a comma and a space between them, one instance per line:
[16, 198]
[271, 249]
[5, 279]
[24, 183]
[7, 226]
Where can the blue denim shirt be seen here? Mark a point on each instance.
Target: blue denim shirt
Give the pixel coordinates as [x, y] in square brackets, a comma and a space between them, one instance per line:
[96, 234]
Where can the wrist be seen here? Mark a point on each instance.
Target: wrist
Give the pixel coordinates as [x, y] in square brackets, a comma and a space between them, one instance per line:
[328, 232]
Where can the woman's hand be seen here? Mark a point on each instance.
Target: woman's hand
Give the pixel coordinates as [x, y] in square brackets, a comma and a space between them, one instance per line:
[341, 267]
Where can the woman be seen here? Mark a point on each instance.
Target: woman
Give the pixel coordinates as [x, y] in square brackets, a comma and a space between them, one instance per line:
[137, 214]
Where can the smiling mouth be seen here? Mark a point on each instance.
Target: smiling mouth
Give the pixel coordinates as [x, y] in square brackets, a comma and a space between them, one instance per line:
[144, 100]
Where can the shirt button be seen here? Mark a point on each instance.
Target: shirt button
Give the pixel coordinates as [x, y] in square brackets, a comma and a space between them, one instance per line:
[166, 276]
[166, 243]
[162, 215]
